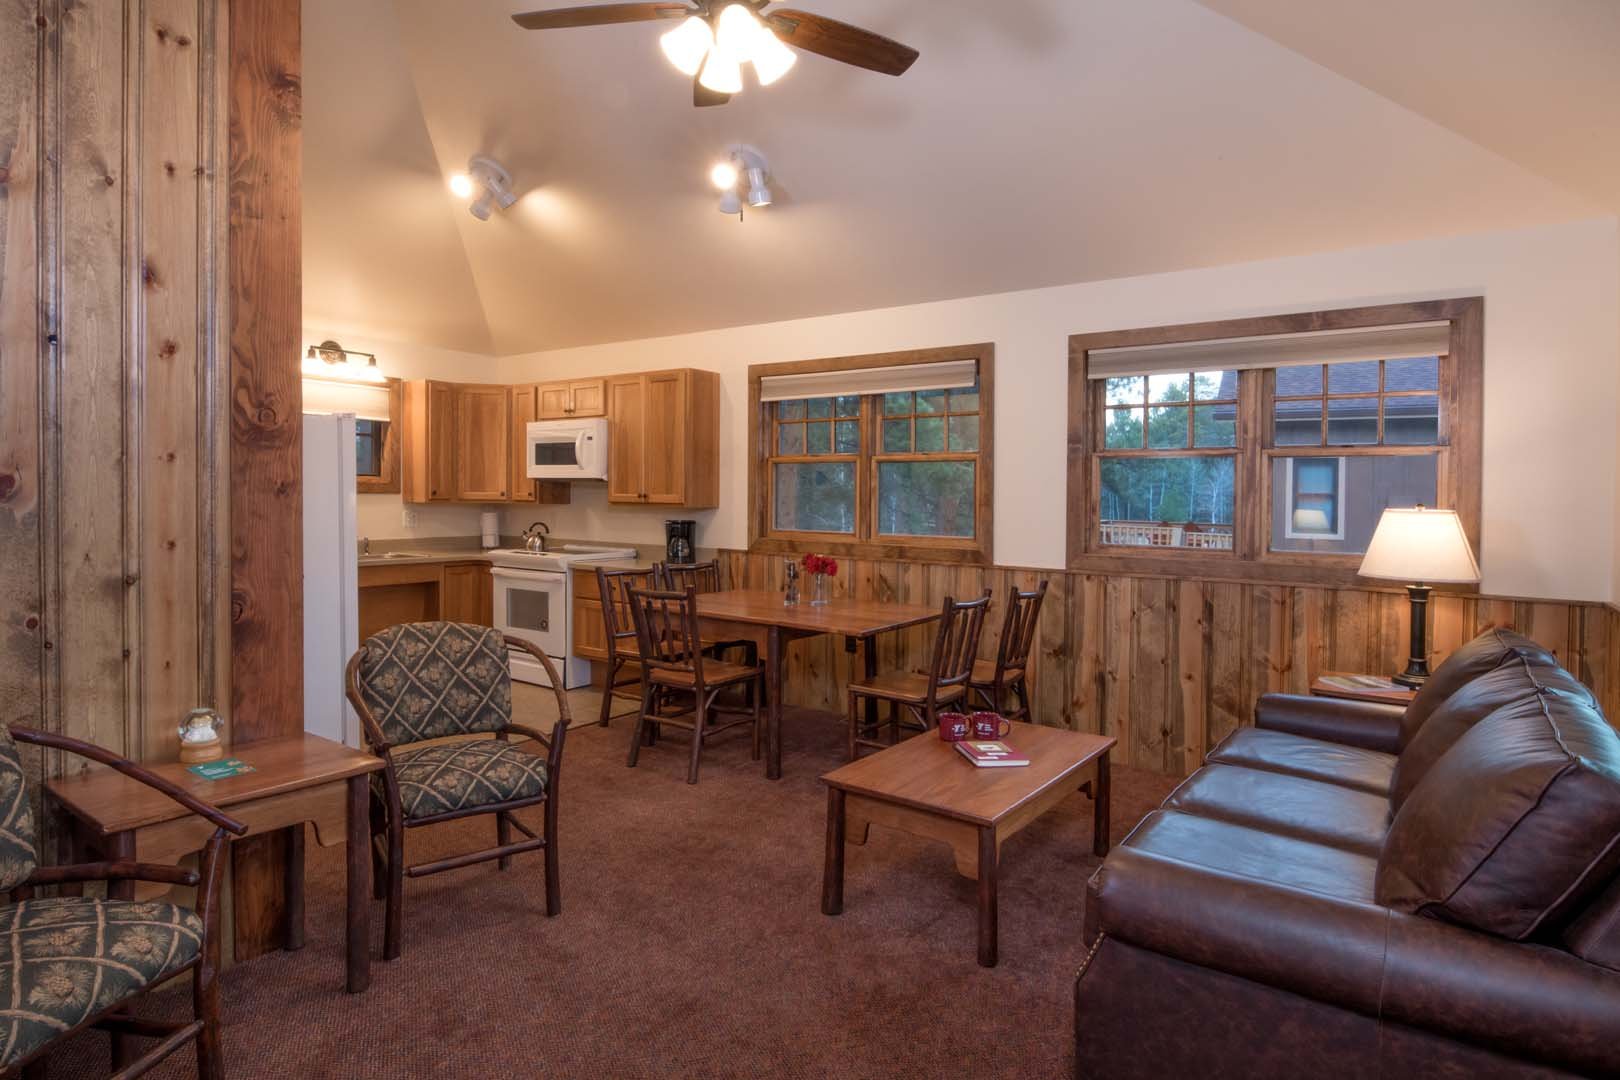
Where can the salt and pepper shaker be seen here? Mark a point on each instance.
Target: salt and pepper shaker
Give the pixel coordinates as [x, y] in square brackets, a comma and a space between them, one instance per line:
[791, 568]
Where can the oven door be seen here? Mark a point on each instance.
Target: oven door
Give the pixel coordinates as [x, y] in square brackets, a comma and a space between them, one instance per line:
[532, 605]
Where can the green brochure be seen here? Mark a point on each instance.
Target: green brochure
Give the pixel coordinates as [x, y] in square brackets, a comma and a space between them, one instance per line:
[219, 770]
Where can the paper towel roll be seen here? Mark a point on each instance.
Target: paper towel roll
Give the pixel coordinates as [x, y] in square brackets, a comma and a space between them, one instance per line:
[490, 524]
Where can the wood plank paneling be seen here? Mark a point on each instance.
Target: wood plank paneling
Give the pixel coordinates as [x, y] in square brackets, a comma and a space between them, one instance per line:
[1170, 666]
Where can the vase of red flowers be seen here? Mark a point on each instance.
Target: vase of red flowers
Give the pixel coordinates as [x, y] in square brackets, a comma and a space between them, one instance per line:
[822, 569]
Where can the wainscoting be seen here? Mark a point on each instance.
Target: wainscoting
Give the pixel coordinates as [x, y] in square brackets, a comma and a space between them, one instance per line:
[1170, 666]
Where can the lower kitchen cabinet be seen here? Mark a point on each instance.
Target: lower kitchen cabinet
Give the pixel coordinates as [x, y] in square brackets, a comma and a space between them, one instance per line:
[467, 594]
[425, 592]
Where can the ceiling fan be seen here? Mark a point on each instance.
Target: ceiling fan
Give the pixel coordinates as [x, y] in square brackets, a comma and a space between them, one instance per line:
[716, 37]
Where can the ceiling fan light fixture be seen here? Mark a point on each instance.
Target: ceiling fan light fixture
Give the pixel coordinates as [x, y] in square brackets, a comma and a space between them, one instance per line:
[772, 59]
[688, 44]
[736, 32]
[722, 74]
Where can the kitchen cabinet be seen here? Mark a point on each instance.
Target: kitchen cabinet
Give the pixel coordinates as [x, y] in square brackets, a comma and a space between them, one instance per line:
[483, 443]
[427, 445]
[664, 438]
[465, 442]
[571, 400]
[467, 594]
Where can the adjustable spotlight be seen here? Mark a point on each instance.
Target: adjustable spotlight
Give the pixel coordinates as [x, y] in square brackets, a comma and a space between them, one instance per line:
[491, 178]
[742, 161]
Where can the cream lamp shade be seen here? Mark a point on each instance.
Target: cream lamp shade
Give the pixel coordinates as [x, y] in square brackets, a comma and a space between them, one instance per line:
[1420, 545]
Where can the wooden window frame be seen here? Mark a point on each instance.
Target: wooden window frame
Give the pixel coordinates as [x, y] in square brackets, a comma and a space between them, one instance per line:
[1458, 449]
[387, 482]
[865, 543]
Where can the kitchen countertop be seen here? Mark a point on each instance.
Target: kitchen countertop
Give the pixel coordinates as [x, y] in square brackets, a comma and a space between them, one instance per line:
[408, 555]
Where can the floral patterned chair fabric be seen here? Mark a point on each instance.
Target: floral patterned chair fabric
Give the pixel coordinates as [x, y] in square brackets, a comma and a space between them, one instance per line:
[443, 777]
[71, 958]
[428, 680]
[18, 856]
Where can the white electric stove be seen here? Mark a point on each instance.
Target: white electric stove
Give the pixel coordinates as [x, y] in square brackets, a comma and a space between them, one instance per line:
[534, 601]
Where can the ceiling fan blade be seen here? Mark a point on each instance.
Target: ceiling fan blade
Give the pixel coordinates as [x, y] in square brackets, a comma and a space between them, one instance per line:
[841, 41]
[703, 97]
[599, 15]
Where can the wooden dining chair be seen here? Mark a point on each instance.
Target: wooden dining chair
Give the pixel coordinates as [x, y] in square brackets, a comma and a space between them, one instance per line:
[620, 628]
[72, 961]
[923, 693]
[1010, 669]
[416, 684]
[674, 665]
[705, 578]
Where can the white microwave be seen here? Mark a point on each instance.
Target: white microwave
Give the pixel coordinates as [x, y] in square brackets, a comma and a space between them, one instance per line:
[567, 450]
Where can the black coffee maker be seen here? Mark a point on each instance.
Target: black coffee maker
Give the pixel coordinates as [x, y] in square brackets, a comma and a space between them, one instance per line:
[678, 543]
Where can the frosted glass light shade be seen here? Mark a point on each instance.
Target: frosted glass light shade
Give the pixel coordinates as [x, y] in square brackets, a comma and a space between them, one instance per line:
[688, 44]
[1420, 545]
[736, 31]
[721, 73]
[772, 59]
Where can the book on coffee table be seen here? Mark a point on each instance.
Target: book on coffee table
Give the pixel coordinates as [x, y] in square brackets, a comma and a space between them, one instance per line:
[991, 755]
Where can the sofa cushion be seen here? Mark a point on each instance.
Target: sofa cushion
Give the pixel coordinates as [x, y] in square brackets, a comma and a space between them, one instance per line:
[1517, 826]
[1292, 806]
[1485, 653]
[1521, 675]
[1314, 759]
[18, 856]
[72, 957]
[1594, 934]
[1255, 854]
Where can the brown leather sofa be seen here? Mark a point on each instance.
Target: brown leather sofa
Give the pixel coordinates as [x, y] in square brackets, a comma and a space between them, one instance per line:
[1360, 891]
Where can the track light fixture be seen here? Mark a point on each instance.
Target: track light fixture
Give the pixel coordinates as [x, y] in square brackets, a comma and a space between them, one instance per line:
[487, 178]
[744, 167]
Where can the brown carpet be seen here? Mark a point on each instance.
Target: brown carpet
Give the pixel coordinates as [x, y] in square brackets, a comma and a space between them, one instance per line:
[691, 943]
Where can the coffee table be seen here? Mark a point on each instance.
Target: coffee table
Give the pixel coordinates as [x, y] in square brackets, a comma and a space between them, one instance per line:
[925, 787]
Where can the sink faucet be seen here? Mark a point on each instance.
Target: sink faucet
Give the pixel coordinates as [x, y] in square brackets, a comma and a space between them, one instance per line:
[365, 545]
[534, 537]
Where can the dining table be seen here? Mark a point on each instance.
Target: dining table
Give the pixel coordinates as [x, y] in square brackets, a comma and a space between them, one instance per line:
[764, 617]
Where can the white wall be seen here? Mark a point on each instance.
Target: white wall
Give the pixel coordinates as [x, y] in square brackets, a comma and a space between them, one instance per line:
[380, 517]
[1552, 384]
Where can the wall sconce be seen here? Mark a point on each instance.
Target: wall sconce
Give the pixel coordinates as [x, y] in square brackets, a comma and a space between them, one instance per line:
[489, 176]
[329, 360]
[742, 162]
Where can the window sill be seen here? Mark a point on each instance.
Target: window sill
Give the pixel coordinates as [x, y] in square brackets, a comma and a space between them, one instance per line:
[920, 549]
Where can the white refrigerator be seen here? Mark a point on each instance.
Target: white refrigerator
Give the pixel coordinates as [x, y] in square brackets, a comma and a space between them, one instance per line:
[331, 575]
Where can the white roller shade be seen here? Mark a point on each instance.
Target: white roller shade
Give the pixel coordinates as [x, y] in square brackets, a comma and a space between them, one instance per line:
[366, 402]
[1404, 342]
[946, 375]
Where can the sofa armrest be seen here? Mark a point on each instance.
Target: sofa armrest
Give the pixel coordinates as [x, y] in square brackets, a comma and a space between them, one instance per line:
[1316, 946]
[1530, 1001]
[1350, 723]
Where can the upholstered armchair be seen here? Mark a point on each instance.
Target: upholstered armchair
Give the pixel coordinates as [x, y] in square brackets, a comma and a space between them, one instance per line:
[75, 961]
[418, 684]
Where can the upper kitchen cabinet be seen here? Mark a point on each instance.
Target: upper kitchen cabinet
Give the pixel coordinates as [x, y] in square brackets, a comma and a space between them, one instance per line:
[483, 448]
[575, 399]
[464, 442]
[664, 438]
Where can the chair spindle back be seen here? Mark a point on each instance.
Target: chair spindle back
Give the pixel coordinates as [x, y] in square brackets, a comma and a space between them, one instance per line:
[956, 645]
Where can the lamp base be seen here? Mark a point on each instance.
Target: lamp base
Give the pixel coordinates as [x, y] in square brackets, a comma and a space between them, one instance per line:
[1417, 663]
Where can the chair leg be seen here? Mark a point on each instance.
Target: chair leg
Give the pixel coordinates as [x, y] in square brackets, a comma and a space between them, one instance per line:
[698, 721]
[1021, 691]
[503, 836]
[854, 722]
[553, 882]
[205, 995]
[640, 724]
[379, 864]
[394, 916]
[894, 723]
[607, 691]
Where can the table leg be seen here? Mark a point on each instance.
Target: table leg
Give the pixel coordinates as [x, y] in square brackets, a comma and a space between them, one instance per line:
[832, 873]
[869, 665]
[773, 696]
[121, 846]
[358, 854]
[293, 939]
[989, 861]
[1099, 795]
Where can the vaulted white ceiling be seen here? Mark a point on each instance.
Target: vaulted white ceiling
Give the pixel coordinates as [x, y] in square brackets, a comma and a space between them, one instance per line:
[1034, 143]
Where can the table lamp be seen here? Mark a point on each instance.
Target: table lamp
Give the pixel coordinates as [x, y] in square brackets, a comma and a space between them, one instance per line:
[1419, 546]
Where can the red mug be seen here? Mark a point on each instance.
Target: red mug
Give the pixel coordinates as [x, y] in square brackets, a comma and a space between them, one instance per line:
[953, 727]
[988, 726]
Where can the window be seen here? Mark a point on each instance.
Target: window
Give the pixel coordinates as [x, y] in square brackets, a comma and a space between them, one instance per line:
[377, 409]
[1270, 447]
[369, 439]
[880, 454]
